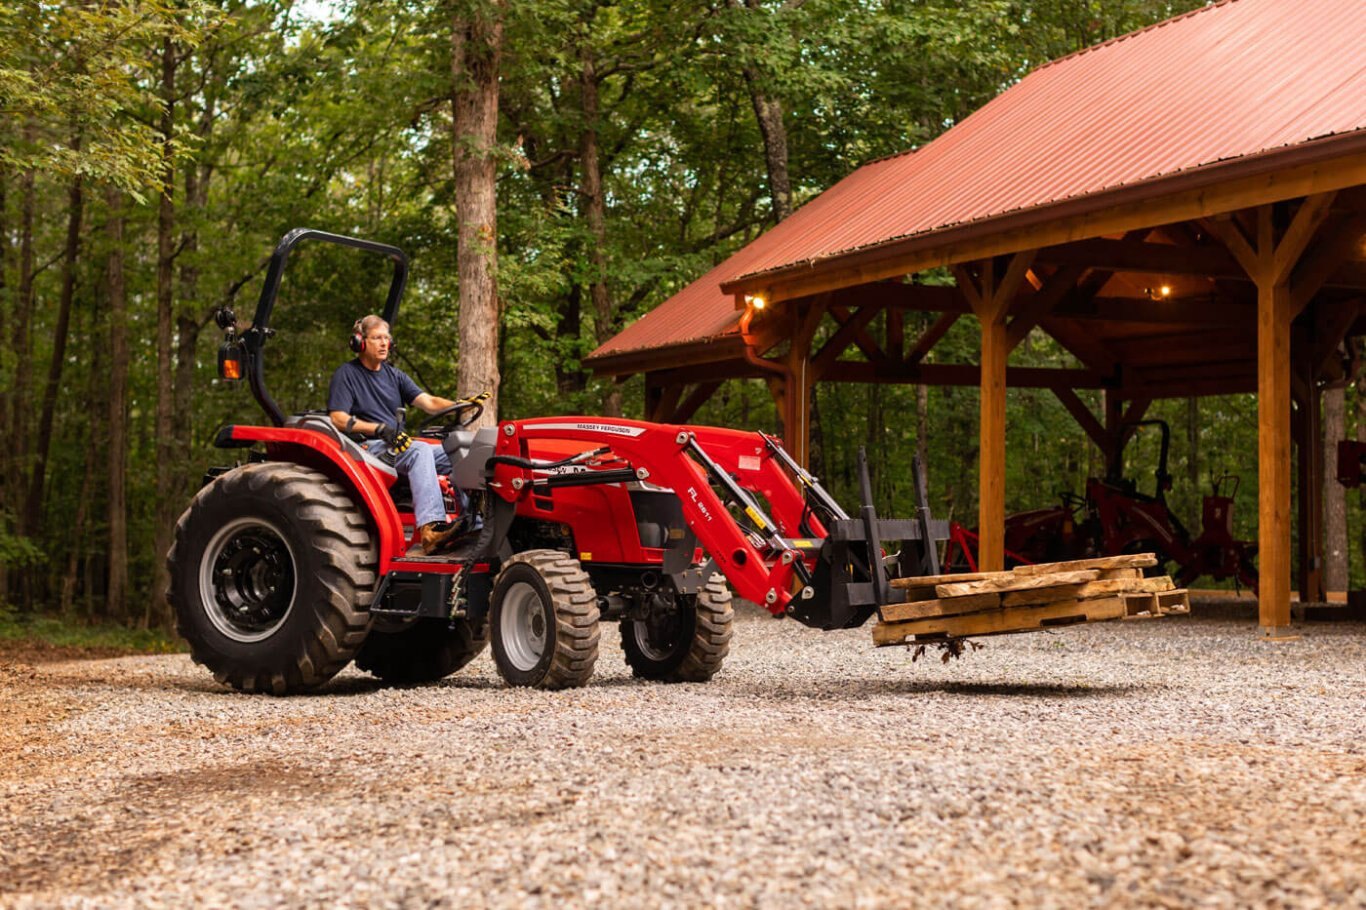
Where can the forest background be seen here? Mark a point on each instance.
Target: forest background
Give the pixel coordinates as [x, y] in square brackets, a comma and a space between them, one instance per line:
[152, 154]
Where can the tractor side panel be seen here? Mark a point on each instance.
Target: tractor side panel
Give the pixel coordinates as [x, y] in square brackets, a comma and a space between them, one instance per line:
[322, 453]
[599, 516]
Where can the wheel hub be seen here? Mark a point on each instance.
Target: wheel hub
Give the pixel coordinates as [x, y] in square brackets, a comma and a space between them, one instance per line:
[247, 579]
[523, 628]
[657, 635]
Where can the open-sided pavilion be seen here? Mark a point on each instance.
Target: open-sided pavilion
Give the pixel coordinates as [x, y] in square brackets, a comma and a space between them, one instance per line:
[1182, 208]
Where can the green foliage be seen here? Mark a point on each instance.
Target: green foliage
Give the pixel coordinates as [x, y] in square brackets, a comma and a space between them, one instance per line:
[67, 632]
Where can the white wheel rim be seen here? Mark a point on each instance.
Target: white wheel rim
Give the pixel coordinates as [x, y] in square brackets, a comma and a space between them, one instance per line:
[522, 627]
[241, 576]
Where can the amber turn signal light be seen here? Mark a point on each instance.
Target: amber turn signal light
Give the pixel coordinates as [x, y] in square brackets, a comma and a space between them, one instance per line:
[229, 362]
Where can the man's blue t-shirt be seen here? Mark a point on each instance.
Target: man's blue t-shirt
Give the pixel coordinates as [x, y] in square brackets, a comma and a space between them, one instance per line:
[373, 395]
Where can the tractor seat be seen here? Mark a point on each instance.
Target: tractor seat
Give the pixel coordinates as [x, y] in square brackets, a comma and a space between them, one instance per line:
[320, 422]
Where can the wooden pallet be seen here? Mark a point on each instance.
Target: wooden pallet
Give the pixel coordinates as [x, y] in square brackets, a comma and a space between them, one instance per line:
[1028, 599]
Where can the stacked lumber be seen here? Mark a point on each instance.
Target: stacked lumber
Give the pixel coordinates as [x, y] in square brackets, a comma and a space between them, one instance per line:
[1028, 599]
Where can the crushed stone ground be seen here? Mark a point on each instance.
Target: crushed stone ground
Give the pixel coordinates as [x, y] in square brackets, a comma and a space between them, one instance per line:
[1165, 764]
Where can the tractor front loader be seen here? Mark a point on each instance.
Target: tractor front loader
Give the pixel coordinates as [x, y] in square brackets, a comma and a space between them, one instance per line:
[297, 560]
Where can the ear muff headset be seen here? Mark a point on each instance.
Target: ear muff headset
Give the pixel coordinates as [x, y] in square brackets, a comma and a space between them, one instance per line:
[357, 339]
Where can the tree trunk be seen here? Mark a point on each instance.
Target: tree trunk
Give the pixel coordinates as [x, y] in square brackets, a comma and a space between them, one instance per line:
[569, 378]
[61, 332]
[20, 336]
[4, 369]
[1335, 566]
[768, 111]
[155, 612]
[595, 215]
[95, 446]
[116, 603]
[476, 49]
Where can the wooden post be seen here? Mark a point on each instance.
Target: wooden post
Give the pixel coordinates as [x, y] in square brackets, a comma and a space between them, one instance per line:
[991, 302]
[991, 509]
[1273, 454]
[794, 401]
[1271, 263]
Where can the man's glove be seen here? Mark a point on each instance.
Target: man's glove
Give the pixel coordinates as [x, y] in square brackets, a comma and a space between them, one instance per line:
[397, 439]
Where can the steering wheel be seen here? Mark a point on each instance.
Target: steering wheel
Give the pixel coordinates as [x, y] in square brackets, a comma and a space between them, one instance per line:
[456, 417]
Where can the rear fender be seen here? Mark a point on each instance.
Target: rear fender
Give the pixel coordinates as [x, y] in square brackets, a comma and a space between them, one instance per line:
[316, 450]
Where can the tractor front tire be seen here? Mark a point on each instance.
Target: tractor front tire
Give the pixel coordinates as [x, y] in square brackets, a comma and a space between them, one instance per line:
[688, 645]
[543, 620]
[271, 576]
[423, 651]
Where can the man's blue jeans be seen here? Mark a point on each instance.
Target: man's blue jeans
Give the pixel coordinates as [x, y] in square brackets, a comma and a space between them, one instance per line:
[420, 464]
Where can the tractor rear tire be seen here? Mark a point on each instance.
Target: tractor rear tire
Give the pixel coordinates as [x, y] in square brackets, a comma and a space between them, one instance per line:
[687, 646]
[423, 651]
[271, 576]
[543, 621]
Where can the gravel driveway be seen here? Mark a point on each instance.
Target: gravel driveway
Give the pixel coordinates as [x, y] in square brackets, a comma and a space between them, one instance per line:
[1170, 763]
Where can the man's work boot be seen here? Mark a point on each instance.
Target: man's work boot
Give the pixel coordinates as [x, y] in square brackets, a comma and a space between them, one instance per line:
[431, 539]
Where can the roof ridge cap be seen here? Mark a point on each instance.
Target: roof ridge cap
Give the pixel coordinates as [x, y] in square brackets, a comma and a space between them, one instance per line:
[1134, 34]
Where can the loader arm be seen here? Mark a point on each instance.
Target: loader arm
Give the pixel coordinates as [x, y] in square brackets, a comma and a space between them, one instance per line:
[778, 537]
[677, 458]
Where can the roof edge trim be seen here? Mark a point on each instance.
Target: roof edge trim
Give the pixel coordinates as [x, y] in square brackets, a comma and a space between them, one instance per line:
[1311, 152]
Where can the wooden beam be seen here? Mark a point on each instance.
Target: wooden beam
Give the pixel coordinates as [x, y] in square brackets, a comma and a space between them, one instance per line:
[1084, 418]
[1182, 348]
[1212, 310]
[900, 295]
[1082, 345]
[1305, 224]
[665, 403]
[1110, 255]
[866, 343]
[850, 329]
[1332, 322]
[725, 369]
[1338, 244]
[957, 374]
[937, 330]
[1302, 171]
[696, 398]
[1236, 242]
[1041, 302]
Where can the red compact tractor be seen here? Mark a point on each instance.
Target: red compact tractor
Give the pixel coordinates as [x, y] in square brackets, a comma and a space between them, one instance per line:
[294, 562]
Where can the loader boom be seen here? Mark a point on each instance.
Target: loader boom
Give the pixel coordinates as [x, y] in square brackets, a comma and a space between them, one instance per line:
[740, 497]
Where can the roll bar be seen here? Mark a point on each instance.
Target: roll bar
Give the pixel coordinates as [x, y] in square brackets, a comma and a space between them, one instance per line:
[254, 338]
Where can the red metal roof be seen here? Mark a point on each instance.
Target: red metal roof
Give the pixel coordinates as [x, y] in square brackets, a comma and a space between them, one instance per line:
[1237, 79]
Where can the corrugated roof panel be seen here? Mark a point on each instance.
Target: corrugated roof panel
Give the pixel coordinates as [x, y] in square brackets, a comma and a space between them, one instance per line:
[1223, 82]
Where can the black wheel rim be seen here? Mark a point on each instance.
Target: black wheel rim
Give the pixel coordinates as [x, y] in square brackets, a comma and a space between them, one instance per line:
[658, 637]
[247, 580]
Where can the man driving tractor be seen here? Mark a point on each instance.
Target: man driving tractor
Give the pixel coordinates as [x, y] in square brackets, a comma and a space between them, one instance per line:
[366, 396]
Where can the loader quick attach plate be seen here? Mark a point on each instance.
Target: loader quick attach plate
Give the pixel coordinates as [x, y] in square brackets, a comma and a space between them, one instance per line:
[846, 593]
[1031, 598]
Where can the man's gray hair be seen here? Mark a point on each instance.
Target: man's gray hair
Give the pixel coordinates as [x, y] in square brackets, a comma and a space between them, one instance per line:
[366, 323]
